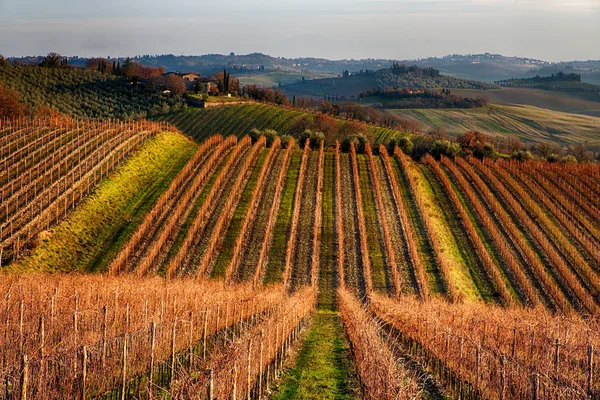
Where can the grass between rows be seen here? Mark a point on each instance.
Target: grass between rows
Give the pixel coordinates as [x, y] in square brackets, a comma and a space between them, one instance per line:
[97, 229]
[276, 263]
[379, 268]
[323, 369]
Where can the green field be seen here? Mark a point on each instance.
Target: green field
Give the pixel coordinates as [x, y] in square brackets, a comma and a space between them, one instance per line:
[274, 78]
[571, 102]
[527, 123]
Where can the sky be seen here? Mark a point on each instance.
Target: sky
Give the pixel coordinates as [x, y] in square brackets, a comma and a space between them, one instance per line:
[552, 30]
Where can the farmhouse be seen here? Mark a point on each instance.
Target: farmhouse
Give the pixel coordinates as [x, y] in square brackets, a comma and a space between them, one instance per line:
[209, 86]
[190, 80]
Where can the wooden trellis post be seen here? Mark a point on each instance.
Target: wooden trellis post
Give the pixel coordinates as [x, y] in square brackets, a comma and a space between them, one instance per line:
[84, 373]
[124, 369]
[210, 385]
[590, 371]
[204, 333]
[152, 350]
[24, 377]
[249, 377]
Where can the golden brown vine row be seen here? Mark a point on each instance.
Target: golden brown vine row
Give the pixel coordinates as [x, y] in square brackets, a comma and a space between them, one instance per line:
[246, 367]
[179, 261]
[387, 240]
[523, 283]
[567, 211]
[291, 246]
[554, 231]
[276, 202]
[170, 206]
[495, 352]
[51, 322]
[317, 218]
[536, 233]
[362, 230]
[407, 228]
[65, 194]
[339, 225]
[380, 375]
[229, 208]
[482, 253]
[530, 257]
[250, 216]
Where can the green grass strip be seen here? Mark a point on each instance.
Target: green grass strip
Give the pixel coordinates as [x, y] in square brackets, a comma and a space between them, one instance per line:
[327, 278]
[323, 369]
[381, 280]
[276, 263]
[96, 230]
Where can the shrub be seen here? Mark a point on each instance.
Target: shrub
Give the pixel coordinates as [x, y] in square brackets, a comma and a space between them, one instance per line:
[314, 138]
[359, 143]
[553, 157]
[445, 148]
[269, 135]
[522, 155]
[404, 143]
[286, 140]
[570, 159]
[488, 150]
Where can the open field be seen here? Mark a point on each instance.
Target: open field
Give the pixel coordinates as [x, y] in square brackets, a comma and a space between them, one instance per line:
[527, 123]
[273, 79]
[446, 278]
[569, 102]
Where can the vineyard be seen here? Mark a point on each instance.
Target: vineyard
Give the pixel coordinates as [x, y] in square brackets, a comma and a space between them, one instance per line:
[453, 277]
[49, 166]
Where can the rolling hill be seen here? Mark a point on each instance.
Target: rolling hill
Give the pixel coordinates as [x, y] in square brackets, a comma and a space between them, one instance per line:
[353, 84]
[527, 123]
[239, 120]
[567, 102]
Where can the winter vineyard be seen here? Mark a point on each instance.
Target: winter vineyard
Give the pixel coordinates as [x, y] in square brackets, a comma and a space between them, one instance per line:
[486, 274]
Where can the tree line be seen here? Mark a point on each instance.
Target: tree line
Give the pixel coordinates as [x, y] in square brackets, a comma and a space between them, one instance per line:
[423, 98]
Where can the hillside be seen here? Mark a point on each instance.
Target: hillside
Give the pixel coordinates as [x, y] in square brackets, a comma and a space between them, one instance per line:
[568, 102]
[85, 93]
[239, 120]
[527, 123]
[351, 85]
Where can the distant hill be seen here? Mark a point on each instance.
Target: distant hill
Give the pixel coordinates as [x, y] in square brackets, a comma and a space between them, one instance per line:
[400, 76]
[561, 81]
[485, 67]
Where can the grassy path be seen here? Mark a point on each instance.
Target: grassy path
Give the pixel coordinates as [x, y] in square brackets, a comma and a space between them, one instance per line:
[323, 367]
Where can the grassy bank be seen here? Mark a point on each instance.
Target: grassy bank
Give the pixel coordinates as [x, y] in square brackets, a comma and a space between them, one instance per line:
[97, 229]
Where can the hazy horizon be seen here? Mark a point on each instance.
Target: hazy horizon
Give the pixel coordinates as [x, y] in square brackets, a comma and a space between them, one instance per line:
[560, 30]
